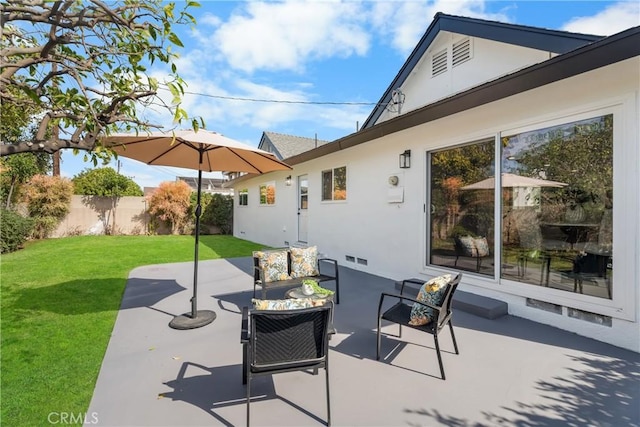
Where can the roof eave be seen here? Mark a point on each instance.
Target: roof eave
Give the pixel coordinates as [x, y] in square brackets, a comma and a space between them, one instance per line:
[599, 54]
[555, 41]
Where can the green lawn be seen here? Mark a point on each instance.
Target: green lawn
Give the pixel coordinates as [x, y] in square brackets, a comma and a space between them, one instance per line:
[59, 299]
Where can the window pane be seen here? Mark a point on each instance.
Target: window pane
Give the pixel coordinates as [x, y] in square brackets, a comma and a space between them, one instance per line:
[243, 197]
[327, 181]
[340, 183]
[268, 194]
[557, 206]
[462, 219]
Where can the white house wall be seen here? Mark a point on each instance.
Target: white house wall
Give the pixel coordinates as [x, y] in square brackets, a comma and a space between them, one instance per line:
[489, 60]
[391, 236]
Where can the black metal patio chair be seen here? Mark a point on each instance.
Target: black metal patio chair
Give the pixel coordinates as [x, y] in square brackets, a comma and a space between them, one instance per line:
[400, 313]
[277, 341]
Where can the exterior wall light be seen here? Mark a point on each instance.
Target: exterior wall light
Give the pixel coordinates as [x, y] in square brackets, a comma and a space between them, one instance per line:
[287, 181]
[405, 159]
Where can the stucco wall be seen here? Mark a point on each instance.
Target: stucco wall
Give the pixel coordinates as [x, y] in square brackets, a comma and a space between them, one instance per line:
[89, 214]
[391, 236]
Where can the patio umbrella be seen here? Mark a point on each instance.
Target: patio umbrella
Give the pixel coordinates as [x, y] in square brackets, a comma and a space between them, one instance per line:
[512, 180]
[204, 151]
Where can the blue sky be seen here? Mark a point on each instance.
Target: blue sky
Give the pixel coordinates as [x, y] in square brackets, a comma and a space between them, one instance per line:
[322, 52]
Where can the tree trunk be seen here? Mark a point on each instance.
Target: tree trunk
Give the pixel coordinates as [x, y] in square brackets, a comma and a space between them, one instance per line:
[56, 163]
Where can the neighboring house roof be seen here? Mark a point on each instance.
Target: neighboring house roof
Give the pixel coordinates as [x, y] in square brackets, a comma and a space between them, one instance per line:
[558, 42]
[285, 146]
[607, 51]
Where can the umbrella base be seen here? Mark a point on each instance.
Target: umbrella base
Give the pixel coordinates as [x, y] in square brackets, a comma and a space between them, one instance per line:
[186, 321]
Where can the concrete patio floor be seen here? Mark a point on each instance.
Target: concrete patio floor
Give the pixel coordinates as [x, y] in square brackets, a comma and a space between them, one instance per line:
[510, 371]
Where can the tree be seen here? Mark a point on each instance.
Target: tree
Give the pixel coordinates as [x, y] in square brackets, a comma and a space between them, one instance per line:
[104, 182]
[82, 64]
[19, 169]
[170, 202]
[15, 127]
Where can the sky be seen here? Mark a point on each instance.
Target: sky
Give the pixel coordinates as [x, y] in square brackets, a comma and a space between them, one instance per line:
[322, 65]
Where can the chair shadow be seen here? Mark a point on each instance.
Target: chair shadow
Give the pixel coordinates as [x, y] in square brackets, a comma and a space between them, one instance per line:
[390, 348]
[233, 302]
[220, 387]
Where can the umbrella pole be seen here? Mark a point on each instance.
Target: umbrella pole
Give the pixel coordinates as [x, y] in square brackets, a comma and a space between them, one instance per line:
[196, 257]
[196, 318]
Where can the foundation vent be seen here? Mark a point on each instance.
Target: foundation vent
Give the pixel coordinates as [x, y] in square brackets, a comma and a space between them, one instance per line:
[589, 317]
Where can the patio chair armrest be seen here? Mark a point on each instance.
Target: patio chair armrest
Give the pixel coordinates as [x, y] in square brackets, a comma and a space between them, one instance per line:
[402, 298]
[244, 329]
[414, 281]
[331, 261]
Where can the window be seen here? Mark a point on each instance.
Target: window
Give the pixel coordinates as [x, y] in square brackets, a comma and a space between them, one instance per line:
[462, 219]
[557, 206]
[334, 184]
[268, 193]
[243, 197]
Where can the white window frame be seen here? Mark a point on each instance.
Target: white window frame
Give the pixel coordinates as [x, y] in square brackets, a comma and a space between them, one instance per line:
[266, 185]
[243, 195]
[624, 293]
[333, 184]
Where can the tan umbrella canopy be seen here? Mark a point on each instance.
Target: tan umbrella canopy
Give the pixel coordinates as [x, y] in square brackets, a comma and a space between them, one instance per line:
[513, 180]
[182, 148]
[203, 151]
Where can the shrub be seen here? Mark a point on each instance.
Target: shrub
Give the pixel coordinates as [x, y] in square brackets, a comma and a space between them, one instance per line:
[14, 230]
[48, 201]
[170, 202]
[219, 212]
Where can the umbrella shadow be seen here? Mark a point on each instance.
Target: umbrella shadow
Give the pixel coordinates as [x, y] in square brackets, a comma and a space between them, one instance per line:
[148, 292]
[219, 387]
[73, 297]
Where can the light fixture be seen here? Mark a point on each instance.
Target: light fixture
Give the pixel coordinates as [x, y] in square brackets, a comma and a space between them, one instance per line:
[405, 159]
[287, 181]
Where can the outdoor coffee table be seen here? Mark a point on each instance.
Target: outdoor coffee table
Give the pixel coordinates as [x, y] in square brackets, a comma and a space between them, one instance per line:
[297, 293]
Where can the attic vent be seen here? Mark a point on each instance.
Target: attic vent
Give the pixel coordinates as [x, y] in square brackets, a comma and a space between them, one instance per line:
[439, 63]
[461, 52]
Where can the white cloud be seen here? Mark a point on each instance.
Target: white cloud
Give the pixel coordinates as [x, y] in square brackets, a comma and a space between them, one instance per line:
[403, 23]
[613, 19]
[284, 36]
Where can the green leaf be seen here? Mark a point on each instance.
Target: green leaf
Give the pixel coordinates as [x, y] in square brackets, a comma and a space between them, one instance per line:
[173, 38]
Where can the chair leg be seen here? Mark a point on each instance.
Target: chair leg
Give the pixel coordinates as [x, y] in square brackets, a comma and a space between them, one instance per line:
[245, 358]
[248, 397]
[453, 338]
[326, 368]
[435, 338]
[378, 339]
